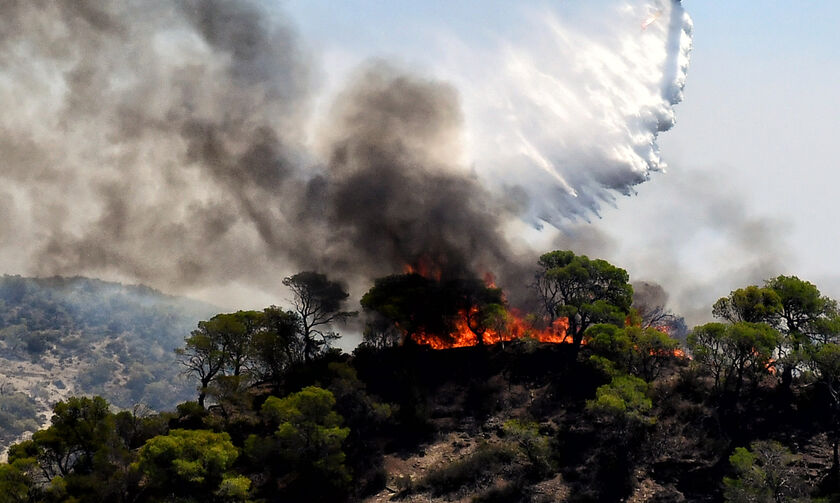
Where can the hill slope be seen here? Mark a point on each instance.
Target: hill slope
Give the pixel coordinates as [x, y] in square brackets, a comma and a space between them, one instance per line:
[79, 336]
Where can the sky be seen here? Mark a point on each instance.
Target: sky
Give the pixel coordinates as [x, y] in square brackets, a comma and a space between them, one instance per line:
[751, 183]
[757, 123]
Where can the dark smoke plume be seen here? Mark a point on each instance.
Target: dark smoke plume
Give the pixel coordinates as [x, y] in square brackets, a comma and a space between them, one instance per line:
[392, 196]
[168, 149]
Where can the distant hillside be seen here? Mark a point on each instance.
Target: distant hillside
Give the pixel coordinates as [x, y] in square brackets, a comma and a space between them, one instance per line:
[79, 336]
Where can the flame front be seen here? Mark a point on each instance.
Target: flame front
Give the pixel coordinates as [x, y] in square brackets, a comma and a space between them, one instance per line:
[514, 326]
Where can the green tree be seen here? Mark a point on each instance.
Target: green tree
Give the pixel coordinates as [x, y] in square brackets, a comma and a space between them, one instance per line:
[277, 347]
[795, 307]
[733, 352]
[639, 351]
[535, 446]
[191, 463]
[307, 443]
[584, 291]
[80, 427]
[806, 317]
[624, 400]
[751, 304]
[826, 362]
[366, 418]
[237, 331]
[79, 455]
[203, 355]
[318, 302]
[17, 481]
[765, 473]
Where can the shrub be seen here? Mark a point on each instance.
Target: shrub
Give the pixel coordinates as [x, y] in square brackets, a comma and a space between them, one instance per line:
[625, 399]
[536, 447]
[485, 460]
[766, 472]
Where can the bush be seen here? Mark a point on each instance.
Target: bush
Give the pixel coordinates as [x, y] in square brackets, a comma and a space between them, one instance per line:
[624, 399]
[535, 446]
[486, 460]
[17, 414]
[766, 472]
[506, 493]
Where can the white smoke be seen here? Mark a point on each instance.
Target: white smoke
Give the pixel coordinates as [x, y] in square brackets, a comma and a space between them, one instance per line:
[570, 112]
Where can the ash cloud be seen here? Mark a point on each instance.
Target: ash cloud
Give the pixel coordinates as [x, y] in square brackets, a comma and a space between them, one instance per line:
[165, 143]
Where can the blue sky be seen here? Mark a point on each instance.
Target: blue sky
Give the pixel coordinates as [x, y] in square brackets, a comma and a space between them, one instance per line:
[758, 126]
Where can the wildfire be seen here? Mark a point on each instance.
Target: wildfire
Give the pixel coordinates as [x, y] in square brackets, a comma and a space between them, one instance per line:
[470, 328]
[424, 267]
[513, 326]
[677, 352]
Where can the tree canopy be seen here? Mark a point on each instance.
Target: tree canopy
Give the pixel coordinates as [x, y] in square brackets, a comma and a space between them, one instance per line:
[425, 306]
[796, 308]
[318, 302]
[584, 291]
[733, 352]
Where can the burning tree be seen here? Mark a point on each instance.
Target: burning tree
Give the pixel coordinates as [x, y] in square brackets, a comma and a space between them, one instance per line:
[446, 313]
[479, 306]
[429, 311]
[584, 291]
[408, 301]
[649, 301]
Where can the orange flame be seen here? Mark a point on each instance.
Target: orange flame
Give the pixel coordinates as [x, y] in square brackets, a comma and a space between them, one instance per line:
[424, 267]
[512, 326]
[515, 326]
[677, 352]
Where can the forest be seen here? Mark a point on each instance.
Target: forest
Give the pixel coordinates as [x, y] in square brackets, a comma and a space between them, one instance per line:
[456, 395]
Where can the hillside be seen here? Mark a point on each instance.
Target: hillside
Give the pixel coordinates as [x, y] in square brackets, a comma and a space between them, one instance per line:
[505, 423]
[452, 396]
[78, 336]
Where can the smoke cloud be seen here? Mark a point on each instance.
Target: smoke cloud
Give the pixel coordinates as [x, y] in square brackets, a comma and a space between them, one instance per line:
[692, 235]
[166, 143]
[572, 111]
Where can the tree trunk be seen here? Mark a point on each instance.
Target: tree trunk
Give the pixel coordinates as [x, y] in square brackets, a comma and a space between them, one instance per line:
[835, 461]
[202, 392]
[787, 378]
[307, 348]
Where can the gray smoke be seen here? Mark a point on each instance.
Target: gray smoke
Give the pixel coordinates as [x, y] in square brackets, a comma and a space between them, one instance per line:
[163, 143]
[693, 235]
